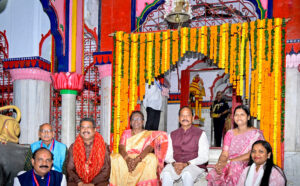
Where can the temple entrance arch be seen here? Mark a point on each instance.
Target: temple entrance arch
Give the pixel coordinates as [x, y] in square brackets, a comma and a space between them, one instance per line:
[197, 73]
[250, 52]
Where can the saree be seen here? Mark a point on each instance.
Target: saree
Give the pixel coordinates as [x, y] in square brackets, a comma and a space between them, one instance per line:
[147, 171]
[236, 145]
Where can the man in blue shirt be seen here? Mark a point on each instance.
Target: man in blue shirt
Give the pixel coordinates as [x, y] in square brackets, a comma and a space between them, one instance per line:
[58, 149]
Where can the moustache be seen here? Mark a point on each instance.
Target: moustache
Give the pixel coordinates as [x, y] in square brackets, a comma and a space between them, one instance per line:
[185, 120]
[44, 166]
[86, 132]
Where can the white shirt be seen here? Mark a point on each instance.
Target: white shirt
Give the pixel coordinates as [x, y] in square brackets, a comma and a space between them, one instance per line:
[153, 97]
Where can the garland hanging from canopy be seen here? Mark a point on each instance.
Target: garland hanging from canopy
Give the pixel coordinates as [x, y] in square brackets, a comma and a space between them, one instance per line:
[252, 53]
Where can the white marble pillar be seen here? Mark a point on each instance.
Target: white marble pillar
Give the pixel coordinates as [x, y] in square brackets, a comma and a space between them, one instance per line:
[69, 84]
[105, 116]
[68, 130]
[32, 96]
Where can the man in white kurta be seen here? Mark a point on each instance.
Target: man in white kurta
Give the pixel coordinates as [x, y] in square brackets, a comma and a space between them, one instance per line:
[187, 153]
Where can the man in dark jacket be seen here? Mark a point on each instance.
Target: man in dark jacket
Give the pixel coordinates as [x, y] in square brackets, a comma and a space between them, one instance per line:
[41, 174]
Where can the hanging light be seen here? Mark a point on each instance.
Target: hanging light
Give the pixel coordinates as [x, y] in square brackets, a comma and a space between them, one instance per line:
[177, 11]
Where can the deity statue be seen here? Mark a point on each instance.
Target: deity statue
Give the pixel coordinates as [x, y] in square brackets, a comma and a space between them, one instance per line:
[197, 92]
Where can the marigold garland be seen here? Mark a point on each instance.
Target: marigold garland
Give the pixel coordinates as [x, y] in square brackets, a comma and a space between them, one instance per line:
[189, 39]
[113, 81]
[272, 44]
[283, 65]
[142, 65]
[206, 51]
[149, 57]
[153, 66]
[228, 50]
[175, 47]
[212, 40]
[193, 39]
[261, 43]
[171, 49]
[157, 54]
[140, 57]
[218, 46]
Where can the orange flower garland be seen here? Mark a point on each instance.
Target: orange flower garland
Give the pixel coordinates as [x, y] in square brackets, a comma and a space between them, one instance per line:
[247, 60]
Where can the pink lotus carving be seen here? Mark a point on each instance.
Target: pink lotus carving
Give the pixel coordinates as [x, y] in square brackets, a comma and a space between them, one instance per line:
[67, 80]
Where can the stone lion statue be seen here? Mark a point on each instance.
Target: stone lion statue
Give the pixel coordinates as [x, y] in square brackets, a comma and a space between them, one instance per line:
[9, 126]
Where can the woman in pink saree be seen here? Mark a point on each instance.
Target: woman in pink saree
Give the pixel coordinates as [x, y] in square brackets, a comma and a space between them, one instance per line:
[236, 150]
[141, 155]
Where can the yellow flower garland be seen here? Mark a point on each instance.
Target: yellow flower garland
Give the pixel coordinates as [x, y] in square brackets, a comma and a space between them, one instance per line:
[142, 65]
[119, 38]
[149, 56]
[154, 55]
[175, 39]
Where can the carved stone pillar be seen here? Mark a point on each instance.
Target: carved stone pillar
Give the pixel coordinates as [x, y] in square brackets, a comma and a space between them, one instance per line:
[32, 96]
[68, 84]
[31, 82]
[105, 76]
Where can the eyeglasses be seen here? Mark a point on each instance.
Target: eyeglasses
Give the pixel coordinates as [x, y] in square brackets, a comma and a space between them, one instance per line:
[137, 119]
[46, 131]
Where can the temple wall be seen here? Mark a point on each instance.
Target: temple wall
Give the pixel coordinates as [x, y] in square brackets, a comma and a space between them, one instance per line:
[24, 22]
[292, 127]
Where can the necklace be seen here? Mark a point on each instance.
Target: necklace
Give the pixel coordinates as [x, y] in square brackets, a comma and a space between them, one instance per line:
[35, 182]
[52, 145]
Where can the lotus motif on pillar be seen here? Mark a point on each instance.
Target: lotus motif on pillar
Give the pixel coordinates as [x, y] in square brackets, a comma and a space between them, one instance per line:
[68, 81]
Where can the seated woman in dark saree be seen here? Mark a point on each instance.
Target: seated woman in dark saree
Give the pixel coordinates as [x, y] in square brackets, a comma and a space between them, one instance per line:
[141, 155]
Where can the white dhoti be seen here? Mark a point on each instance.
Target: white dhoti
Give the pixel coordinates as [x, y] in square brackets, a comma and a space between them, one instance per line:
[188, 176]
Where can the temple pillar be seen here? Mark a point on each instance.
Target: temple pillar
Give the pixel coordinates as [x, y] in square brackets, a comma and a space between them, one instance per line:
[105, 116]
[69, 84]
[32, 96]
[68, 110]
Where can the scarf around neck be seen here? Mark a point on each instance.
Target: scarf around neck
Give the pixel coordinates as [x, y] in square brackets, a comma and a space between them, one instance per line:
[87, 169]
[249, 180]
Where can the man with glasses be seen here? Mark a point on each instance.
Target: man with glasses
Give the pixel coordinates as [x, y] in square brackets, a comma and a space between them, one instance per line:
[59, 150]
[88, 161]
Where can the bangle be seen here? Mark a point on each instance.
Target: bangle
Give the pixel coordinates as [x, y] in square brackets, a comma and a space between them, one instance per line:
[228, 161]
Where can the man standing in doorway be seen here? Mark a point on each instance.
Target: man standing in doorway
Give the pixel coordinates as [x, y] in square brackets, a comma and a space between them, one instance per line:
[153, 105]
[218, 111]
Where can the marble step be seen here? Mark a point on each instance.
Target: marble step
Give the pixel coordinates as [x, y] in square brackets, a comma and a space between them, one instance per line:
[214, 154]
